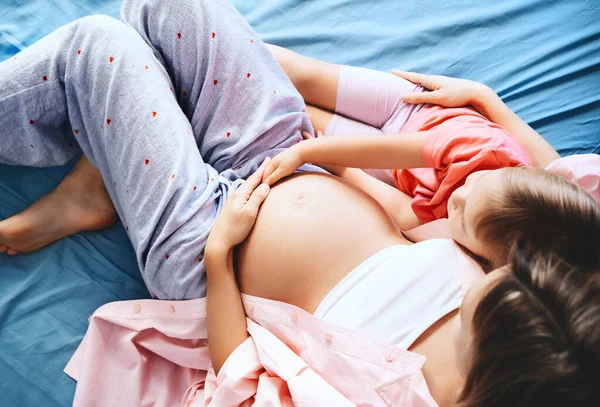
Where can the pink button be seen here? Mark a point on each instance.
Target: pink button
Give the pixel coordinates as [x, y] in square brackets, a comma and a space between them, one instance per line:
[389, 358]
[294, 317]
[172, 309]
[137, 309]
[328, 336]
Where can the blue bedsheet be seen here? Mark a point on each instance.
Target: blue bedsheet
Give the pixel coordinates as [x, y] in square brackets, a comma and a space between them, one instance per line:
[542, 57]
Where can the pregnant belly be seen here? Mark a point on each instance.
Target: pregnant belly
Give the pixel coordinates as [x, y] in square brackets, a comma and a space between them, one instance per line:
[311, 231]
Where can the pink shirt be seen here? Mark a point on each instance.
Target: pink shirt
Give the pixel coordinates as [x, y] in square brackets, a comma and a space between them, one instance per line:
[462, 141]
[151, 352]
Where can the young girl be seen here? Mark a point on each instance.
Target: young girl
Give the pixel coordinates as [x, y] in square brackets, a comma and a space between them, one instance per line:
[452, 161]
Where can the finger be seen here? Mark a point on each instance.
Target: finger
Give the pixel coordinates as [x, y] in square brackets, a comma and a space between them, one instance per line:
[257, 197]
[306, 135]
[276, 176]
[269, 169]
[254, 180]
[417, 78]
[320, 134]
[421, 97]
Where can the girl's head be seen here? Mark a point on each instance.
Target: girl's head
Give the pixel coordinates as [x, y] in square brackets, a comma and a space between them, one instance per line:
[527, 335]
[495, 208]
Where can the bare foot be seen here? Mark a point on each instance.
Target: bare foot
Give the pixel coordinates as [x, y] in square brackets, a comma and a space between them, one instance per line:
[79, 203]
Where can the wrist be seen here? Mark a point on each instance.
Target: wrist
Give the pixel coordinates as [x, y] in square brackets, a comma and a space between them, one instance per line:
[303, 149]
[481, 96]
[216, 253]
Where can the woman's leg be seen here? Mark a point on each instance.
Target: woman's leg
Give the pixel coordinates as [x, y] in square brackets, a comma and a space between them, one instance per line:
[79, 203]
[265, 131]
[364, 95]
[96, 84]
[241, 104]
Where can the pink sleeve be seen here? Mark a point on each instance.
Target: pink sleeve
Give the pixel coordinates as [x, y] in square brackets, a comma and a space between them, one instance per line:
[263, 370]
[236, 384]
[455, 150]
[582, 169]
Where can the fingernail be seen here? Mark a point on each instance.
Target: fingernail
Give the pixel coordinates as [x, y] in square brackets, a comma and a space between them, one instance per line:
[263, 188]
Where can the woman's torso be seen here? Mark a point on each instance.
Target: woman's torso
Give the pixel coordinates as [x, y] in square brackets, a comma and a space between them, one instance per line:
[312, 231]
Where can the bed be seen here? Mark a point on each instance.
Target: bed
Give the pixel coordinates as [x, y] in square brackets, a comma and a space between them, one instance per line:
[542, 57]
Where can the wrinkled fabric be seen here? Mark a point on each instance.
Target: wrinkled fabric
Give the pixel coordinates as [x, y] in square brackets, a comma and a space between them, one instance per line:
[582, 169]
[461, 141]
[152, 352]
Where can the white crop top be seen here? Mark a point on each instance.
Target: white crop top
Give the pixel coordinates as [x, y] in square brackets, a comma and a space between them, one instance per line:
[399, 292]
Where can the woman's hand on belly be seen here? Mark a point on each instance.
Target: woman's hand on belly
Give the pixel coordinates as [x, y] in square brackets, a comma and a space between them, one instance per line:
[312, 230]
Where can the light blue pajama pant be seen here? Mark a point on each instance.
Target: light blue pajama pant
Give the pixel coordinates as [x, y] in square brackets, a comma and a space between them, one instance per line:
[175, 105]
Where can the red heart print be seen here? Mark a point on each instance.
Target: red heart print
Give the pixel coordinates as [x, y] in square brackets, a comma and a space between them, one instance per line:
[251, 40]
[178, 35]
[194, 187]
[31, 145]
[274, 92]
[166, 257]
[31, 122]
[111, 59]
[107, 121]
[45, 77]
[115, 184]
[127, 228]
[215, 81]
[172, 176]
[212, 179]
[213, 35]
[153, 114]
[228, 134]
[76, 131]
[171, 88]
[248, 75]
[147, 161]
[78, 52]
[146, 66]
[239, 168]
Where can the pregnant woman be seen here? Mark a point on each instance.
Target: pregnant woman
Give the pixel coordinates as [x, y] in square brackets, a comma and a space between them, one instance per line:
[320, 245]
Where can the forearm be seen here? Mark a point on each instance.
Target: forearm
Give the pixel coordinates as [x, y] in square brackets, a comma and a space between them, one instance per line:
[488, 103]
[396, 203]
[359, 151]
[226, 318]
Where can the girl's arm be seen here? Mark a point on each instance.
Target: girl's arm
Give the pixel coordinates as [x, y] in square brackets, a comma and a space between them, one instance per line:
[226, 318]
[396, 151]
[489, 104]
[453, 92]
[396, 203]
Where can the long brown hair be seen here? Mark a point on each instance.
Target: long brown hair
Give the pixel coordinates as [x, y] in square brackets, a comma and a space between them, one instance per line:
[536, 337]
[549, 212]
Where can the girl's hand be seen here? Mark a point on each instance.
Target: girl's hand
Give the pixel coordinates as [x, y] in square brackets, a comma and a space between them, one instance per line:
[445, 91]
[238, 214]
[283, 164]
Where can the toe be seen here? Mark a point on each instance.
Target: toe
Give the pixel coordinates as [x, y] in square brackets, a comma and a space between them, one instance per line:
[11, 252]
[3, 248]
